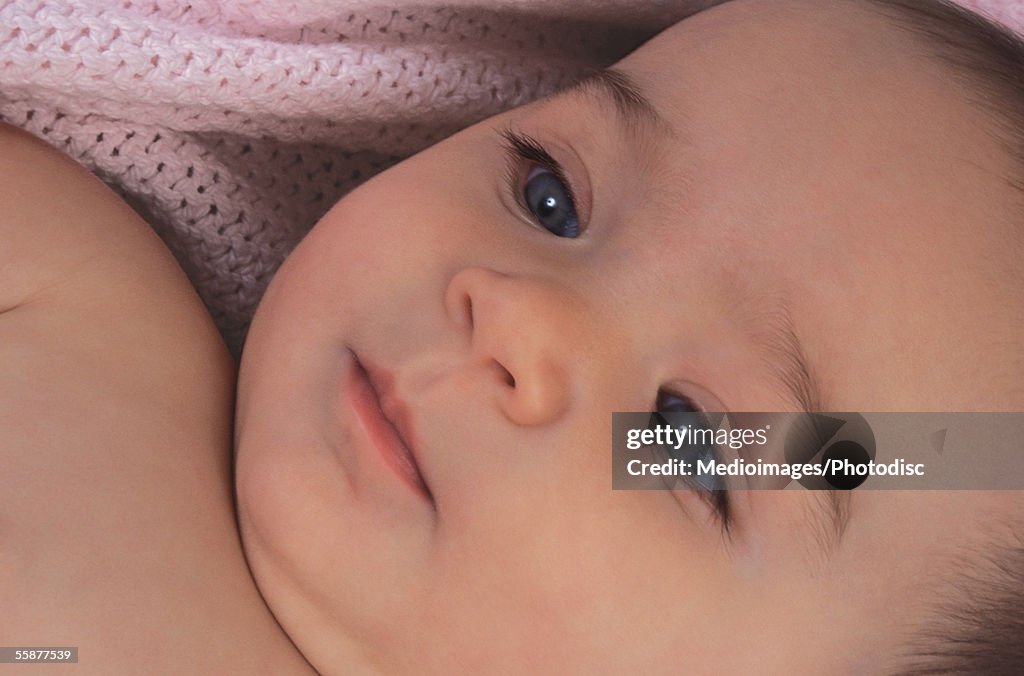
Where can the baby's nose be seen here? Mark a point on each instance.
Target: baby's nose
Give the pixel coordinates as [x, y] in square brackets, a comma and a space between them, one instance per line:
[518, 330]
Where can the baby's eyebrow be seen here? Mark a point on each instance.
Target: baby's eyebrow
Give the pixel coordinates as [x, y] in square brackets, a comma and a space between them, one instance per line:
[765, 319]
[830, 515]
[788, 363]
[633, 108]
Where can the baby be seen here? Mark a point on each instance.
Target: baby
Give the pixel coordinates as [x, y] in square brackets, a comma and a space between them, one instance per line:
[774, 205]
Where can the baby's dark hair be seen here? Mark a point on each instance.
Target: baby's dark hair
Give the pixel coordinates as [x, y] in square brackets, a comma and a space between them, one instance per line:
[978, 627]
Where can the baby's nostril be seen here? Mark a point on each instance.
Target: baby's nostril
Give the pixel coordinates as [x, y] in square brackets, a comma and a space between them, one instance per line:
[505, 375]
[469, 310]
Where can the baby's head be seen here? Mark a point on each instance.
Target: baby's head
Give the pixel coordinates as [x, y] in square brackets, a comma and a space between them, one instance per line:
[773, 205]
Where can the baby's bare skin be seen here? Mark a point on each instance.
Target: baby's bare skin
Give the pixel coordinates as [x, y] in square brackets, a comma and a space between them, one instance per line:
[117, 526]
[793, 159]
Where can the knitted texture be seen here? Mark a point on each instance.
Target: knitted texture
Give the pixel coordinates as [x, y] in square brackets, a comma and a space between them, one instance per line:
[232, 126]
[1010, 13]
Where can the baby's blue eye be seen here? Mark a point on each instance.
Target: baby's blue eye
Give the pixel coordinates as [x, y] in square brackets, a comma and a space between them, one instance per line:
[539, 186]
[686, 413]
[551, 203]
[712, 488]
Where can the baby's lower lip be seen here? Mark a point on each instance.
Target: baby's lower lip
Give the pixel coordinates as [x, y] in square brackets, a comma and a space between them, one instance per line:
[381, 431]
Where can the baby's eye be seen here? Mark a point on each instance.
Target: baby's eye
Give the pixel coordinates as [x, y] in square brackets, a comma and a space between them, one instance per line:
[688, 414]
[538, 184]
[550, 202]
[711, 488]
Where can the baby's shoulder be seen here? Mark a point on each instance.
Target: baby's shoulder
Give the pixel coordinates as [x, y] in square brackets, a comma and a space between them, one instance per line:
[116, 394]
[102, 338]
[73, 255]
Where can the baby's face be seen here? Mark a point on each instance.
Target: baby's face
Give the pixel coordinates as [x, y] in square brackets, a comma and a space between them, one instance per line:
[787, 179]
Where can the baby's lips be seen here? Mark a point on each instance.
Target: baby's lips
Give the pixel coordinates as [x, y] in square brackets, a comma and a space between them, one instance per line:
[399, 416]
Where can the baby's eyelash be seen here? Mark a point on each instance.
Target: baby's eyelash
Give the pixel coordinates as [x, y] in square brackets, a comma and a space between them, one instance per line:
[716, 498]
[522, 148]
[719, 501]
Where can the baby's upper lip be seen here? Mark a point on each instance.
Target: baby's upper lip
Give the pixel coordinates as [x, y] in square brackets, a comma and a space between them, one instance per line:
[395, 412]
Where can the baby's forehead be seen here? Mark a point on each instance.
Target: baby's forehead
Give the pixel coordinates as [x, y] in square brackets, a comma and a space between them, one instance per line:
[813, 45]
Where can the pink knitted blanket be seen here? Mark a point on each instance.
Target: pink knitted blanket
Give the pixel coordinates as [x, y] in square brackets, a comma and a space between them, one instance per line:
[233, 125]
